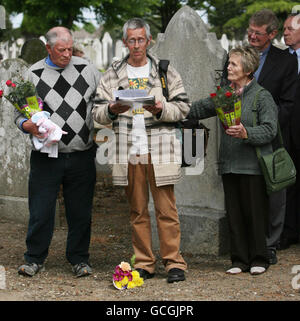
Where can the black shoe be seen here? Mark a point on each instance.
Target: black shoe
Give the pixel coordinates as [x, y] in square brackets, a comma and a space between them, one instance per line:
[175, 275]
[272, 257]
[145, 274]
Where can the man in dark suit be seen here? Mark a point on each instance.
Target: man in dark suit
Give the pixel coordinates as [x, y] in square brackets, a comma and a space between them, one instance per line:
[291, 230]
[276, 73]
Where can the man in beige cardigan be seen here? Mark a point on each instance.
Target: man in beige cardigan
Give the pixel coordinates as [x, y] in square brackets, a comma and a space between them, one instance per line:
[150, 147]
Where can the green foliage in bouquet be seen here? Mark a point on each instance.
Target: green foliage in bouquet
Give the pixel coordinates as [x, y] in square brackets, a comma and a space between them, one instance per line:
[22, 95]
[20, 92]
[224, 98]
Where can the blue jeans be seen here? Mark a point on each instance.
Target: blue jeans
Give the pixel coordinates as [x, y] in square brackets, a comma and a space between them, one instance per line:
[77, 174]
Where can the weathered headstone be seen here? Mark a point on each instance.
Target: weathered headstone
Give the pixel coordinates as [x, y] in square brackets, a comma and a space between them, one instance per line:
[97, 59]
[224, 42]
[197, 55]
[33, 50]
[15, 150]
[119, 49]
[107, 49]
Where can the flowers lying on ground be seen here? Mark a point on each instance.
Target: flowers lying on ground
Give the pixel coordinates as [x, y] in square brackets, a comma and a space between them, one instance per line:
[22, 95]
[125, 278]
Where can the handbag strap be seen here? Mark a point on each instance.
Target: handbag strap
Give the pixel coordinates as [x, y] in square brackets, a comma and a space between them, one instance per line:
[254, 110]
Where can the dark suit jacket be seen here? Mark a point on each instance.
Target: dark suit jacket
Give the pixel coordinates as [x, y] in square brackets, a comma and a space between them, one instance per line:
[295, 119]
[278, 76]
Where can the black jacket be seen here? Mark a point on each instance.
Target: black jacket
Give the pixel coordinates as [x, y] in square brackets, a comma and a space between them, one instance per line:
[295, 119]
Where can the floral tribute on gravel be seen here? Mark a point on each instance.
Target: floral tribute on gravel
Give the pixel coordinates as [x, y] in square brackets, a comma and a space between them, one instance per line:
[126, 278]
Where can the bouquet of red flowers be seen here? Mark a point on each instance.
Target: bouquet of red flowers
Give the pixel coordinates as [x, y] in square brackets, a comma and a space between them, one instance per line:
[22, 95]
[228, 106]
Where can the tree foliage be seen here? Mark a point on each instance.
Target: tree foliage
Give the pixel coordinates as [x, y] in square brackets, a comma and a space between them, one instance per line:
[232, 18]
[229, 16]
[41, 15]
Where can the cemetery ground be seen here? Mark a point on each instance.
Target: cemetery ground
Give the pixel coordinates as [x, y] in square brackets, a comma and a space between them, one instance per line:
[111, 243]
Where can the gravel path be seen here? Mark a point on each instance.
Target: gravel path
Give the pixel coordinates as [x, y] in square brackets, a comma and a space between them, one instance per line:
[110, 244]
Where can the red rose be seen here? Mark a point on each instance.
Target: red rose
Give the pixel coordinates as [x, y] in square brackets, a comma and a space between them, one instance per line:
[9, 83]
[213, 95]
[13, 85]
[228, 94]
[218, 87]
[1, 93]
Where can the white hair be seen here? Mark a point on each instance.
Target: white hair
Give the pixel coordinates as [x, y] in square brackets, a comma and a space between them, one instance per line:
[136, 23]
[58, 33]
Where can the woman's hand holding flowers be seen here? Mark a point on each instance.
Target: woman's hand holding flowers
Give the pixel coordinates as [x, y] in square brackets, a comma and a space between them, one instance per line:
[237, 131]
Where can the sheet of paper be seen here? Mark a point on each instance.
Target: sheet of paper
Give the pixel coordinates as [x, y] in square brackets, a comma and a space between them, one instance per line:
[130, 96]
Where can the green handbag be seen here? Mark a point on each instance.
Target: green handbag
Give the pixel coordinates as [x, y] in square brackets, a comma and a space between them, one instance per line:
[278, 168]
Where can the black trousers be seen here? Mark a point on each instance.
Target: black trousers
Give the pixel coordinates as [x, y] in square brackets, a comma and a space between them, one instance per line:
[77, 174]
[291, 228]
[247, 213]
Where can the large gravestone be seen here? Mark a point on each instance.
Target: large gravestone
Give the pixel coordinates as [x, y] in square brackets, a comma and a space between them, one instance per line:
[15, 150]
[198, 57]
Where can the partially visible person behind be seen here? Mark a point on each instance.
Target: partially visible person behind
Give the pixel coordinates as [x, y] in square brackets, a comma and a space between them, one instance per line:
[66, 84]
[246, 199]
[148, 168]
[78, 50]
[291, 229]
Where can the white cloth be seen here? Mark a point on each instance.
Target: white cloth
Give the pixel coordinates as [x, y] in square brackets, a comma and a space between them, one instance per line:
[139, 134]
[51, 134]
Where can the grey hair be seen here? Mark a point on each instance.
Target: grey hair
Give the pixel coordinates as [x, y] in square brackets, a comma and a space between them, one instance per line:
[249, 58]
[136, 23]
[57, 33]
[265, 17]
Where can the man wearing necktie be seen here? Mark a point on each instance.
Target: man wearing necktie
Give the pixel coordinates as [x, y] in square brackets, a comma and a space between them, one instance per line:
[291, 230]
[276, 73]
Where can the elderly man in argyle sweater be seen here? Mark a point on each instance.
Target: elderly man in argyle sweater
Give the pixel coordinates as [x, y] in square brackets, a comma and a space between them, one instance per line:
[67, 85]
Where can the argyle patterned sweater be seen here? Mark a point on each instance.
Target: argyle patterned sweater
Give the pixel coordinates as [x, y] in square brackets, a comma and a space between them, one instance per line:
[67, 94]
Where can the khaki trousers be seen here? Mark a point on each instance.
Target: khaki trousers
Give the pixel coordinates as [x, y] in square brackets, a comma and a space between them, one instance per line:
[168, 226]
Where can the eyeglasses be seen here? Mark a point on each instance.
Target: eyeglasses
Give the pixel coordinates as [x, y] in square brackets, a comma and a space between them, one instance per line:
[140, 41]
[257, 33]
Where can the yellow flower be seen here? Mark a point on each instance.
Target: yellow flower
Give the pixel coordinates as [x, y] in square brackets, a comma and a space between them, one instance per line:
[118, 284]
[124, 281]
[125, 266]
[135, 275]
[131, 285]
[139, 282]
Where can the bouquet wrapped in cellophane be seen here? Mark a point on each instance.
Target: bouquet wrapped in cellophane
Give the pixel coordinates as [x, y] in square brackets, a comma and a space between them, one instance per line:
[228, 106]
[23, 96]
